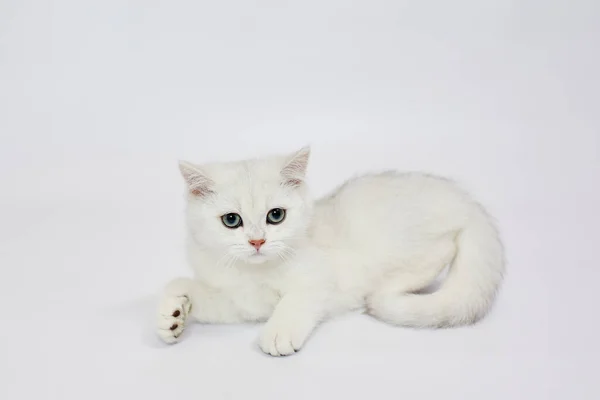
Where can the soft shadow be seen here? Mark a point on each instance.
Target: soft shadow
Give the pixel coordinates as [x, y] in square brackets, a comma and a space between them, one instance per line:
[436, 284]
[141, 313]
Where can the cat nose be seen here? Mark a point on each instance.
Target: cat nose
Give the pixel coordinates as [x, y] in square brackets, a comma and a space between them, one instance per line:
[256, 243]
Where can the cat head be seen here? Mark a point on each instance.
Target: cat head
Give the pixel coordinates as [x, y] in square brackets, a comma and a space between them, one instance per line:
[252, 211]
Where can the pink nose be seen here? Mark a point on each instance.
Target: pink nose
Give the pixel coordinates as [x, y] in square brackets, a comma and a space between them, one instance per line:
[256, 243]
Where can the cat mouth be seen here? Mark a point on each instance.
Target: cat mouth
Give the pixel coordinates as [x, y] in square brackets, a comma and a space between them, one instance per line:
[257, 258]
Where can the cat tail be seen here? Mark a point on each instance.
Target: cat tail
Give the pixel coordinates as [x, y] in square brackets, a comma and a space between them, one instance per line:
[469, 290]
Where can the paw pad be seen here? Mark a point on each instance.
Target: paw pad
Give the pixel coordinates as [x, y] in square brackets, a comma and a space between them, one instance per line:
[172, 316]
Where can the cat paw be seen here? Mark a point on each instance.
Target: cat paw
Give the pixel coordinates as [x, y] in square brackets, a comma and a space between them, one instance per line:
[173, 312]
[282, 339]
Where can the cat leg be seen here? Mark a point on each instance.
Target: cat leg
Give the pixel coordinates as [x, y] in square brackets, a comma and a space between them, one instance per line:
[292, 322]
[184, 300]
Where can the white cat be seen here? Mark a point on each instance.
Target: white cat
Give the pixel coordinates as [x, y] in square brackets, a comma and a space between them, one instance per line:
[262, 250]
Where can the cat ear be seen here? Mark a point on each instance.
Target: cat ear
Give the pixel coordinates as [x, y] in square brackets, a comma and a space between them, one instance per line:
[198, 183]
[294, 169]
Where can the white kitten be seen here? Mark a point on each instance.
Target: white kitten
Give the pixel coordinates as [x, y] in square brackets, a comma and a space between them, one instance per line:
[261, 250]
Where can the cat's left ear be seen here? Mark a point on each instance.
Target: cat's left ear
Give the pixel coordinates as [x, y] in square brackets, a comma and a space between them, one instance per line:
[294, 170]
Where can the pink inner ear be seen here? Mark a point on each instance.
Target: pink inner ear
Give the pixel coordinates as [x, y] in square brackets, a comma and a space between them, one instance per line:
[199, 188]
[293, 182]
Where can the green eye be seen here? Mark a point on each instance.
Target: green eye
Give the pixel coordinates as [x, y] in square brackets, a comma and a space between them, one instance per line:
[232, 220]
[275, 216]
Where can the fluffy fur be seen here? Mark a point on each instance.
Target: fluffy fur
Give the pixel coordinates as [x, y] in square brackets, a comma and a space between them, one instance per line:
[371, 245]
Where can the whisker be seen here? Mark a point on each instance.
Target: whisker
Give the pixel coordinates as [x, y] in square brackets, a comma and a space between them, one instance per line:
[222, 259]
[233, 259]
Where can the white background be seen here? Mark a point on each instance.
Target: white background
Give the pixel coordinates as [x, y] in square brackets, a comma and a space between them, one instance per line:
[98, 101]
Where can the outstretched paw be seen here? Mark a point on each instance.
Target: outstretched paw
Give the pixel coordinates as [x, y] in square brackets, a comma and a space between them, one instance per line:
[283, 339]
[173, 312]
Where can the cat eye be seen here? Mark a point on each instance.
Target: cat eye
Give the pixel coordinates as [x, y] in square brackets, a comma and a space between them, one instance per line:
[232, 220]
[275, 216]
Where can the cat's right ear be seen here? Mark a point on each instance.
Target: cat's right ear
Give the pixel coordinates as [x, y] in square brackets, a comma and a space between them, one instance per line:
[198, 183]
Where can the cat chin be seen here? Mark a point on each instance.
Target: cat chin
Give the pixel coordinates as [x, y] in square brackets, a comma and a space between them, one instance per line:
[257, 259]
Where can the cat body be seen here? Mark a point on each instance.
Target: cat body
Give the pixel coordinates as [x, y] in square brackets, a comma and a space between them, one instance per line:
[262, 250]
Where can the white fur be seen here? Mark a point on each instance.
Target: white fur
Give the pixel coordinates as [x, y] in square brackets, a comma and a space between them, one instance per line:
[370, 245]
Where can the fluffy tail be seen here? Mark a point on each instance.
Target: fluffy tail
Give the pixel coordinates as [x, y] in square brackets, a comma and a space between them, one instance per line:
[468, 291]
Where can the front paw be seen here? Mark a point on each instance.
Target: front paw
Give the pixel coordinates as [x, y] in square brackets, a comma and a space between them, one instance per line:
[282, 338]
[173, 312]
